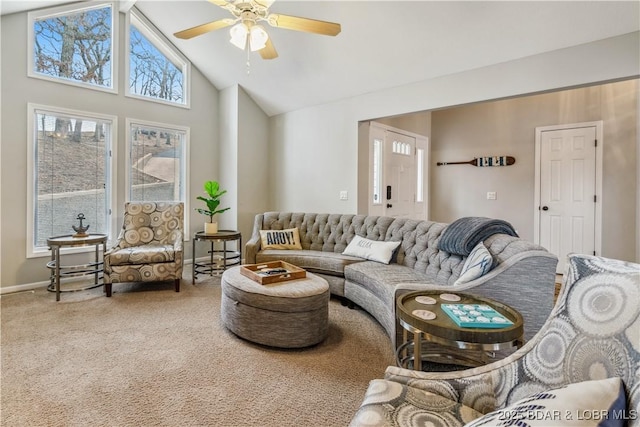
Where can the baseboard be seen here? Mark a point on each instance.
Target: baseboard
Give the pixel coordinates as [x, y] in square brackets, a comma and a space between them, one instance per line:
[23, 288]
[37, 285]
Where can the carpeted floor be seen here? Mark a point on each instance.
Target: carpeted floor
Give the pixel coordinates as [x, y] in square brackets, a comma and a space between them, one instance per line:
[149, 356]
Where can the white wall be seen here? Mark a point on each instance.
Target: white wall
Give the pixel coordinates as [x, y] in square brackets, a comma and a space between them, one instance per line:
[244, 160]
[314, 148]
[254, 163]
[17, 90]
[228, 157]
[507, 127]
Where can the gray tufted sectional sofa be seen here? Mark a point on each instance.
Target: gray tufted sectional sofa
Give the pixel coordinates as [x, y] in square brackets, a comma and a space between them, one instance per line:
[523, 275]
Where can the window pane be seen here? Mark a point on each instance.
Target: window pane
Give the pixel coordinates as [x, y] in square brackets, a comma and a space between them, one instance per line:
[75, 46]
[71, 174]
[156, 155]
[151, 73]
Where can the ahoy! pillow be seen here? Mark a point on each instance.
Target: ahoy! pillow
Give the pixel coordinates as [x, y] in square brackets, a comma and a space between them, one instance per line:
[280, 239]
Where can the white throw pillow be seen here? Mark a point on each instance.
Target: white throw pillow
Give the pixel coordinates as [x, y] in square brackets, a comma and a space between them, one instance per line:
[584, 404]
[371, 249]
[280, 239]
[478, 263]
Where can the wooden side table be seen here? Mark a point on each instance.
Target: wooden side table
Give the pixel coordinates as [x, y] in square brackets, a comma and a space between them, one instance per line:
[441, 339]
[219, 258]
[58, 270]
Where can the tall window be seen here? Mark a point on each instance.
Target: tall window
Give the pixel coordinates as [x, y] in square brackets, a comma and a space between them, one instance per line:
[420, 175]
[70, 172]
[156, 167]
[156, 70]
[377, 172]
[74, 45]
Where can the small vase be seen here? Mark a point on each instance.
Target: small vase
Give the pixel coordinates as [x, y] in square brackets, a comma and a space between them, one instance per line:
[210, 227]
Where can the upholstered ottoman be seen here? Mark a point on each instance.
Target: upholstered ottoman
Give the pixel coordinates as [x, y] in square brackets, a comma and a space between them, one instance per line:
[289, 314]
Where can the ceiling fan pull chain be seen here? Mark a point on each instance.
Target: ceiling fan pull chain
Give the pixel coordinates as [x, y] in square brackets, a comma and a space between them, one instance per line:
[248, 59]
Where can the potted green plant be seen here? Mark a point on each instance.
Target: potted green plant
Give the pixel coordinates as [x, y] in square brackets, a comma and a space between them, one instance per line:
[212, 189]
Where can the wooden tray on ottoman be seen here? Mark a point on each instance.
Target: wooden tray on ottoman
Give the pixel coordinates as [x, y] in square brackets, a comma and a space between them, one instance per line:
[253, 271]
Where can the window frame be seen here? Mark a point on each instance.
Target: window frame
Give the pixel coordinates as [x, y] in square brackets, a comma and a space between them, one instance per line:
[34, 251]
[184, 165]
[64, 10]
[161, 43]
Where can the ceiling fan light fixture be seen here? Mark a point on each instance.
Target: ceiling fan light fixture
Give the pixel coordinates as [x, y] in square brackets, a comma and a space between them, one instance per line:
[239, 35]
[258, 38]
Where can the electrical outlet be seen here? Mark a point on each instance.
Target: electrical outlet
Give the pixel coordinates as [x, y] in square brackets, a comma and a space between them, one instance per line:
[491, 195]
[344, 195]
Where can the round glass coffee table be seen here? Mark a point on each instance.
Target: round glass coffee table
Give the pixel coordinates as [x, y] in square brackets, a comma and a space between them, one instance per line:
[429, 333]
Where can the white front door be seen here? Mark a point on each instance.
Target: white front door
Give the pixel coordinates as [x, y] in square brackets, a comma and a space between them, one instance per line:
[567, 191]
[398, 172]
[400, 175]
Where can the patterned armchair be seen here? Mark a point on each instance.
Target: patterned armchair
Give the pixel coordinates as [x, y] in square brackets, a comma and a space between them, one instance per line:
[149, 247]
[581, 368]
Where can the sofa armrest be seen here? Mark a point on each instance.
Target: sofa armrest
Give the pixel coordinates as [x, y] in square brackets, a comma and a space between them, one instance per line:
[525, 282]
[252, 247]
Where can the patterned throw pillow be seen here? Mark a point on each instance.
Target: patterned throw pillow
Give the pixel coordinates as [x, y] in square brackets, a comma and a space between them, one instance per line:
[371, 249]
[478, 263]
[280, 239]
[588, 403]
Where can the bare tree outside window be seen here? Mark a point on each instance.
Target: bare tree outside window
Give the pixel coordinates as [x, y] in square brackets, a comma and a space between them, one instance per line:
[151, 73]
[75, 46]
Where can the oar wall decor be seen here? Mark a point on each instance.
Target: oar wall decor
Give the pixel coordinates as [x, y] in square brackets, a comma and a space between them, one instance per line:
[485, 161]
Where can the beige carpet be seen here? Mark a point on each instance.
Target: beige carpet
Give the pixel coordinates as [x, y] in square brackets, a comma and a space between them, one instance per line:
[149, 356]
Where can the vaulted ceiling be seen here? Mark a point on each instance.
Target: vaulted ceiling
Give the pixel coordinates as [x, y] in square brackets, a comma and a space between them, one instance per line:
[383, 44]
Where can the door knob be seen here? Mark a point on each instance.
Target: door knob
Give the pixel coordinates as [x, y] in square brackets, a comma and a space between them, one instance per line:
[389, 205]
[545, 208]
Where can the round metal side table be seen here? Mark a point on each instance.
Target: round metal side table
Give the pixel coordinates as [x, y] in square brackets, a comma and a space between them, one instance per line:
[59, 271]
[441, 340]
[220, 256]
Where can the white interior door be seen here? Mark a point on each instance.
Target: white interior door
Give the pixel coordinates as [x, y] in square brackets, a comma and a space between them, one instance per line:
[567, 191]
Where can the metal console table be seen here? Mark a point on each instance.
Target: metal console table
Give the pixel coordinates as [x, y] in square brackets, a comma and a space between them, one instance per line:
[59, 271]
[219, 258]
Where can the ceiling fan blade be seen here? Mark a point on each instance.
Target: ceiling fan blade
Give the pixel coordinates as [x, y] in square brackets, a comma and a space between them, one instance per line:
[304, 24]
[268, 52]
[204, 28]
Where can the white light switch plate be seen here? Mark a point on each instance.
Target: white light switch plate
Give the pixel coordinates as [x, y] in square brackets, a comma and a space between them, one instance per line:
[344, 195]
[491, 195]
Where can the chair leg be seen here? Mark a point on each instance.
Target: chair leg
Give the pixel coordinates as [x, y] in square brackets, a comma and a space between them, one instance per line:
[177, 284]
[107, 289]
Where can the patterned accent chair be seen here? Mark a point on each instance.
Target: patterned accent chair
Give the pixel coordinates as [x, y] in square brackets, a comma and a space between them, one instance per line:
[591, 342]
[149, 247]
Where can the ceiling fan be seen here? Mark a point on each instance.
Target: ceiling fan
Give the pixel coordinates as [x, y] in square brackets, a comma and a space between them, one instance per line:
[247, 34]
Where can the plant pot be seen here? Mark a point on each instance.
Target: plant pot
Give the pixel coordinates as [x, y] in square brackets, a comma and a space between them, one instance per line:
[210, 227]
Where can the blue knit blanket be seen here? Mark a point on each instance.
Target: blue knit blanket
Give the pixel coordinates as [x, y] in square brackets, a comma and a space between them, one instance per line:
[462, 235]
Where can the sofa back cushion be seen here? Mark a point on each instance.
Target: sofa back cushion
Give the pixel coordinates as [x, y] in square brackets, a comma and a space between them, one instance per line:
[419, 250]
[328, 232]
